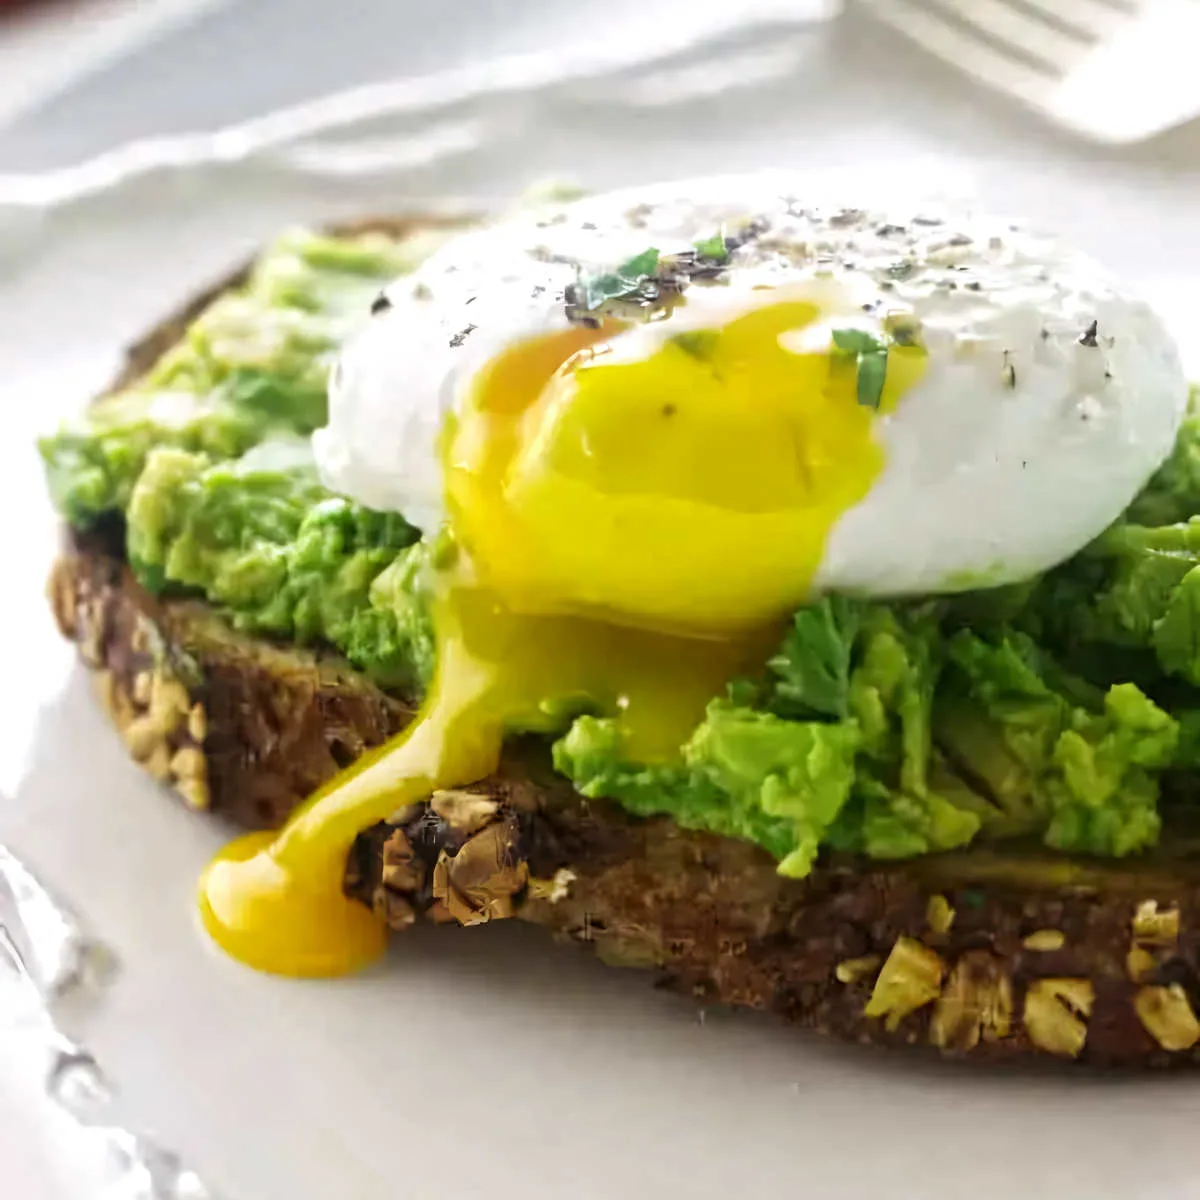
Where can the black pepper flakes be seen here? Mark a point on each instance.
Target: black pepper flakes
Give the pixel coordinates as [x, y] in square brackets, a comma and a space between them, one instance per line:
[461, 336]
[1088, 337]
[380, 304]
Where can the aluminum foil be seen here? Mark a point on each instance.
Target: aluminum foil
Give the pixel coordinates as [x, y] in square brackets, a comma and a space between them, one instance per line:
[47, 960]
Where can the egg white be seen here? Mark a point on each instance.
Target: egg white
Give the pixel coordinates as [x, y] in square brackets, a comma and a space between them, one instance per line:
[1025, 437]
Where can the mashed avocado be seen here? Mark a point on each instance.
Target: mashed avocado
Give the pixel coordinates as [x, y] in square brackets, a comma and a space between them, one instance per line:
[260, 536]
[1055, 711]
[208, 461]
[254, 363]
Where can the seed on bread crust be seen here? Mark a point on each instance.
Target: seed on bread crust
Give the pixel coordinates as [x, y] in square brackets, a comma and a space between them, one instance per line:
[402, 870]
[1056, 1012]
[195, 794]
[1154, 936]
[170, 704]
[1167, 1013]
[90, 628]
[158, 762]
[1045, 940]
[479, 883]
[463, 810]
[142, 736]
[197, 724]
[911, 978]
[116, 703]
[140, 639]
[851, 970]
[1139, 964]
[1154, 928]
[63, 602]
[394, 910]
[976, 1003]
[552, 890]
[188, 763]
[938, 914]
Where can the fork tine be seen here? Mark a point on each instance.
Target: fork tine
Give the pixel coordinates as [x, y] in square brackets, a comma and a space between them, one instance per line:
[964, 49]
[1118, 71]
[1090, 19]
[1026, 34]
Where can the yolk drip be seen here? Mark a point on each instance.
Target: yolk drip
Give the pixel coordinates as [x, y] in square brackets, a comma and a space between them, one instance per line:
[631, 535]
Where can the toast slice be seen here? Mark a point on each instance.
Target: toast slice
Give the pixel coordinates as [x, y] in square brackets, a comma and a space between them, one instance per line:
[991, 957]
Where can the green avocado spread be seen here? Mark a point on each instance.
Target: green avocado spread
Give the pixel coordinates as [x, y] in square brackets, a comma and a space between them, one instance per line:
[1064, 711]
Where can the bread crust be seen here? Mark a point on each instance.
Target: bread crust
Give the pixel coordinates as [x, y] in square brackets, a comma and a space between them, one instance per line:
[976, 956]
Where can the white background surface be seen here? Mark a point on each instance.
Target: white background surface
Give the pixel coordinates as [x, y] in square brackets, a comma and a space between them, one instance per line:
[484, 1062]
[45, 52]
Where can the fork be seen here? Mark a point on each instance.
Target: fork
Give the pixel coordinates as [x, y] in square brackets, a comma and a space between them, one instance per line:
[1114, 70]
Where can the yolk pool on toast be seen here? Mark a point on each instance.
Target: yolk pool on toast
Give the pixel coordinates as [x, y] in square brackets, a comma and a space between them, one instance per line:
[630, 533]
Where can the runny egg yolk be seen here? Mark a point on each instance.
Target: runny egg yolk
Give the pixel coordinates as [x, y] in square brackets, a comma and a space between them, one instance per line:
[631, 533]
[688, 490]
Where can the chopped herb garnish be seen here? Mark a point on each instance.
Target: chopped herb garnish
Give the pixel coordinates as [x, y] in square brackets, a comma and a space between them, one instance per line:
[714, 248]
[872, 373]
[653, 281]
[640, 265]
[627, 280]
[857, 341]
[699, 343]
[870, 355]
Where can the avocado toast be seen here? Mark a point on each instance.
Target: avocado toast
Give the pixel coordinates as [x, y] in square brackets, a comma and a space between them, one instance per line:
[252, 633]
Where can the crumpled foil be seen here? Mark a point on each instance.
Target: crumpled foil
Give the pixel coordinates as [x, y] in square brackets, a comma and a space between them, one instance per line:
[46, 958]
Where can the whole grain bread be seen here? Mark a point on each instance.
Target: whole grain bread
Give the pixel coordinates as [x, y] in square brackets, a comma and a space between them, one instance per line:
[978, 955]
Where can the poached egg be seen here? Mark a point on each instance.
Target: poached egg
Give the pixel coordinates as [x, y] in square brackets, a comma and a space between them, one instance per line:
[1040, 399]
[654, 424]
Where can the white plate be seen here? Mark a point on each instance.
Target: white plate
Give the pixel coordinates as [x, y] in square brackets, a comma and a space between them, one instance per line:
[485, 1062]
